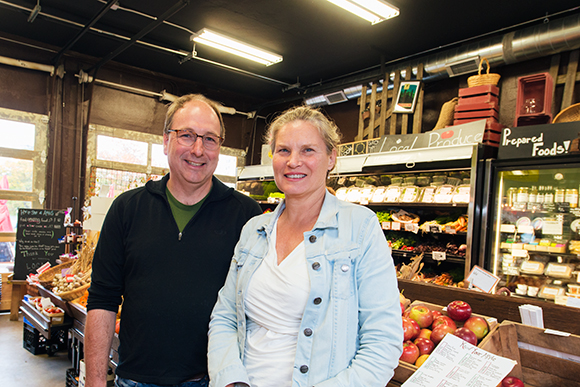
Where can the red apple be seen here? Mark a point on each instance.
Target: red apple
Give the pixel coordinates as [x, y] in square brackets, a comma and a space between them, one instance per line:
[459, 310]
[410, 329]
[511, 381]
[426, 333]
[443, 320]
[425, 346]
[466, 334]
[438, 333]
[436, 313]
[402, 308]
[410, 352]
[422, 315]
[447, 134]
[477, 325]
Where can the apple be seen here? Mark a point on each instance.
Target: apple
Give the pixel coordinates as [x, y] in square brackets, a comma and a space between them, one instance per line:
[410, 352]
[439, 332]
[426, 333]
[425, 346]
[422, 315]
[447, 134]
[436, 313]
[443, 320]
[467, 335]
[511, 381]
[459, 310]
[410, 329]
[402, 308]
[477, 325]
[421, 359]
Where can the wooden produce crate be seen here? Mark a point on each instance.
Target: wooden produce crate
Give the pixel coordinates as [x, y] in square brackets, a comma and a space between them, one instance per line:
[405, 370]
[544, 359]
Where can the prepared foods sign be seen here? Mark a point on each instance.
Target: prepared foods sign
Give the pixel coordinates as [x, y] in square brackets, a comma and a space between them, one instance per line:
[539, 141]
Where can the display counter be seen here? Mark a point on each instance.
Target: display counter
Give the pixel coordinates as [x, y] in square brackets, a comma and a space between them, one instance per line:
[558, 317]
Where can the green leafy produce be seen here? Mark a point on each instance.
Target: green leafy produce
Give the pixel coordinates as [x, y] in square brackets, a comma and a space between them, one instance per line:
[384, 216]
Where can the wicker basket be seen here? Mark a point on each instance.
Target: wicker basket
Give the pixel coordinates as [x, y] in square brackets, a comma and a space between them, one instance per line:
[571, 113]
[46, 277]
[485, 79]
[73, 294]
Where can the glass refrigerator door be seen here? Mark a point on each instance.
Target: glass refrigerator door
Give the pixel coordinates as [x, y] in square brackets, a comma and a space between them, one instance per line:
[537, 232]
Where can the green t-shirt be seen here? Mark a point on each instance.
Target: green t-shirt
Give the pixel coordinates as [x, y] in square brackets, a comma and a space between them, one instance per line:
[182, 212]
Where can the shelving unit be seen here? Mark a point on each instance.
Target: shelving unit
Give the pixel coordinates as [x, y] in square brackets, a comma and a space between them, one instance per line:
[358, 170]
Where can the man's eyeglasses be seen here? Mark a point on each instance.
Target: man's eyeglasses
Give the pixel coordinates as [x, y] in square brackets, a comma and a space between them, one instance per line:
[188, 137]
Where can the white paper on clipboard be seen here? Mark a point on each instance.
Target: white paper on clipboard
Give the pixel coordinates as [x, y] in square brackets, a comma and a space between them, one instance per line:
[482, 279]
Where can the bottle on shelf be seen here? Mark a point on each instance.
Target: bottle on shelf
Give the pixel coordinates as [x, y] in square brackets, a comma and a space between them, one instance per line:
[540, 196]
[549, 195]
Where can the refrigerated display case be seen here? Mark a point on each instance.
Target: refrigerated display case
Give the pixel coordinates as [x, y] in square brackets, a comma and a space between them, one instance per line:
[426, 200]
[534, 235]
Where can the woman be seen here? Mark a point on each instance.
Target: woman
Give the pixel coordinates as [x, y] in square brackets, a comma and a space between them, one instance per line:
[311, 297]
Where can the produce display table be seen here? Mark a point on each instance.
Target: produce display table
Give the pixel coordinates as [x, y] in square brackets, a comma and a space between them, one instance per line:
[558, 317]
[75, 320]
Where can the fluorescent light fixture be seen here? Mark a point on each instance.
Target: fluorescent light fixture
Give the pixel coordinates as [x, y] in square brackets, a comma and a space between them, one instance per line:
[236, 47]
[375, 11]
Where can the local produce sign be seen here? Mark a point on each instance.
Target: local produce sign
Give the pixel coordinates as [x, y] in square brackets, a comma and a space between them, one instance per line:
[469, 133]
[37, 240]
[540, 141]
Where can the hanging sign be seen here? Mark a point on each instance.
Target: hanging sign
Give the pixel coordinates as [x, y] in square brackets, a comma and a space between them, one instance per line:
[469, 133]
[540, 141]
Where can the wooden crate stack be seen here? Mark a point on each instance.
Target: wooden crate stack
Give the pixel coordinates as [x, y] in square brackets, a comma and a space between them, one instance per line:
[480, 103]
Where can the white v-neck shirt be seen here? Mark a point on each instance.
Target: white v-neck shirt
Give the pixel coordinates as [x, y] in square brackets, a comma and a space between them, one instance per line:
[275, 302]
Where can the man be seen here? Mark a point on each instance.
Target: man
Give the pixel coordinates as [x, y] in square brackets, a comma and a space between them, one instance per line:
[164, 251]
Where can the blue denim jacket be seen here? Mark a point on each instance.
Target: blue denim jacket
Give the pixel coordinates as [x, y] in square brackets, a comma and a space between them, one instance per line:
[351, 332]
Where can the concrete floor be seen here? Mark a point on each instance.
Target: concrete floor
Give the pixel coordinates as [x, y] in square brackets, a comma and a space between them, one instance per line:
[20, 368]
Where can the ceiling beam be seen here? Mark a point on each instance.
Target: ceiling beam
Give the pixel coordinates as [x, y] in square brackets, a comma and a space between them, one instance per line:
[150, 27]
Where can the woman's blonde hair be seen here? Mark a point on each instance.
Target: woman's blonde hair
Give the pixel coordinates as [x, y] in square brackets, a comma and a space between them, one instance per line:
[327, 128]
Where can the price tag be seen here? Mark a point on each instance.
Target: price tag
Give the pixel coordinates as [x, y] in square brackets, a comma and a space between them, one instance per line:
[69, 278]
[439, 255]
[386, 225]
[482, 279]
[396, 226]
[519, 253]
[412, 227]
[552, 227]
[511, 228]
[364, 202]
[526, 229]
[450, 230]
[434, 228]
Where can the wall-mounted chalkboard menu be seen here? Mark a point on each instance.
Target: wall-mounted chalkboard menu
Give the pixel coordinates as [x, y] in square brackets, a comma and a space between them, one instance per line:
[37, 238]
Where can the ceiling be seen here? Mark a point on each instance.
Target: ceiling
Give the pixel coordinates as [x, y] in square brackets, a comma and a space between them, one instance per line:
[320, 42]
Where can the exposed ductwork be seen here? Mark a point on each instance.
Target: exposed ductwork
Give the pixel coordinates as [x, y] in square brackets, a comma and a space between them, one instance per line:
[549, 38]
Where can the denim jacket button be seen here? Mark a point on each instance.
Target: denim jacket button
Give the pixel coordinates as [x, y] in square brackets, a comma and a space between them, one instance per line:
[317, 300]
[304, 369]
[316, 265]
[308, 332]
[345, 268]
[312, 238]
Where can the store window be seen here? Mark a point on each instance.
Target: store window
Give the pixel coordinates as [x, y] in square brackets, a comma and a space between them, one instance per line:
[120, 160]
[23, 150]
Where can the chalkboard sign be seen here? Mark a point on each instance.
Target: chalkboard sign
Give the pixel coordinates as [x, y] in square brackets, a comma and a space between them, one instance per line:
[37, 240]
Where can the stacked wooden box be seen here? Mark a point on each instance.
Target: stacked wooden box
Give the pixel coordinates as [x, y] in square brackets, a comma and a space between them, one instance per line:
[480, 103]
